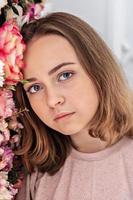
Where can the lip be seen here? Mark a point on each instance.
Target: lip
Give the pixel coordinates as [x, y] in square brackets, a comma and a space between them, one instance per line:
[62, 115]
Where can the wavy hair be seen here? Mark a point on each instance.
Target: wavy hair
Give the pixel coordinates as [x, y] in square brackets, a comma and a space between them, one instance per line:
[48, 149]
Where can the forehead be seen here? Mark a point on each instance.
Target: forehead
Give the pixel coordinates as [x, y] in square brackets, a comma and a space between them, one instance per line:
[46, 52]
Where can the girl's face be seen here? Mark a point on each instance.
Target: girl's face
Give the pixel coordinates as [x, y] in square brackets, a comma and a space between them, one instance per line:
[59, 90]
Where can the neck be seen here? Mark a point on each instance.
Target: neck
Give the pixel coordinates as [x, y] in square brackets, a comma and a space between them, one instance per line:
[83, 142]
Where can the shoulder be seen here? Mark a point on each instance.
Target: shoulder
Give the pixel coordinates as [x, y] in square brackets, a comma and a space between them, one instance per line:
[128, 149]
[28, 186]
[34, 182]
[127, 153]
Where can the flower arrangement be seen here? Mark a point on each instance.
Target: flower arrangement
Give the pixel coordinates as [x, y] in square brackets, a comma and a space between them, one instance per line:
[13, 15]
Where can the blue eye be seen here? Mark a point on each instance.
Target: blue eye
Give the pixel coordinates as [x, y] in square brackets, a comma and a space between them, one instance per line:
[34, 88]
[64, 76]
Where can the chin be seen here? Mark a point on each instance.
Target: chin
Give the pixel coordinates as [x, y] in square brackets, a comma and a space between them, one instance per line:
[69, 131]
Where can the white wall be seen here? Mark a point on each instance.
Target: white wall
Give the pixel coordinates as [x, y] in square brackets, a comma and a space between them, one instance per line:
[93, 11]
[127, 56]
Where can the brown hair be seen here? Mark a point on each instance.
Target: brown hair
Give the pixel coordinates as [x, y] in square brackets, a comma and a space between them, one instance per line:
[48, 149]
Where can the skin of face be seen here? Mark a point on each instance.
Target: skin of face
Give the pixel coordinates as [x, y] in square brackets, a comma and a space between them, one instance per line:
[64, 90]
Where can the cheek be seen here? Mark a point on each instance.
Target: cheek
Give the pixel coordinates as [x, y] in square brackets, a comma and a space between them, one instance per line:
[39, 106]
[42, 112]
[85, 98]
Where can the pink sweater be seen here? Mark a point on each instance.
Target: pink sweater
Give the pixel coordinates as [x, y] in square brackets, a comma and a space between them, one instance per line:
[105, 175]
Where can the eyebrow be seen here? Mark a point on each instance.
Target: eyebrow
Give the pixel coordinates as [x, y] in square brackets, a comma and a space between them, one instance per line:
[56, 68]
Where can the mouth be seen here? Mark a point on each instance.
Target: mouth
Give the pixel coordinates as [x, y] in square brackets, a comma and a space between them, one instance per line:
[63, 116]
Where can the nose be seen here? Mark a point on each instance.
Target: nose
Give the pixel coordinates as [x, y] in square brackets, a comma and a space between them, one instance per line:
[54, 98]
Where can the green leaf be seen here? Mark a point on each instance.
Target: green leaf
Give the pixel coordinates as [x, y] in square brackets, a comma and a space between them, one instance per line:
[11, 87]
[24, 81]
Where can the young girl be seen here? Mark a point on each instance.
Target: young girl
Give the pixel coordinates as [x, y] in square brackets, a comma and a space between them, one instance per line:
[76, 141]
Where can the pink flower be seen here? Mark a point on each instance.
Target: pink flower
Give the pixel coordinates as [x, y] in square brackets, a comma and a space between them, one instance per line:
[14, 124]
[2, 104]
[6, 158]
[11, 51]
[39, 7]
[4, 132]
[1, 73]
[6, 190]
[36, 11]
[7, 105]
[4, 137]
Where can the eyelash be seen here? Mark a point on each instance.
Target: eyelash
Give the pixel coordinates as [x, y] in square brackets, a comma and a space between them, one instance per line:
[67, 72]
[36, 84]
